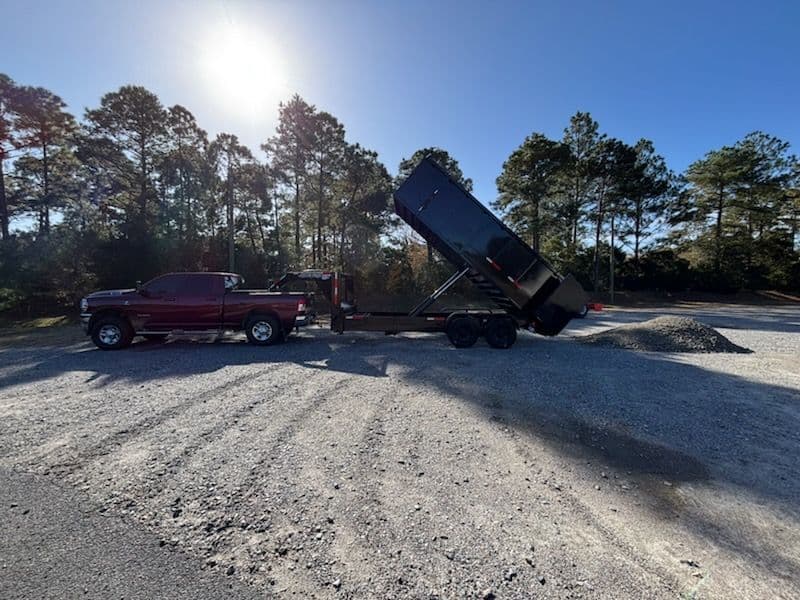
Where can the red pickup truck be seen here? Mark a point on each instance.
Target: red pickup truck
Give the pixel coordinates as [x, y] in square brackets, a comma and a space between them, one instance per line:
[190, 303]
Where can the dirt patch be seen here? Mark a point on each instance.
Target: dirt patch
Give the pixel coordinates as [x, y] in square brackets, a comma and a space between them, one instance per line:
[665, 334]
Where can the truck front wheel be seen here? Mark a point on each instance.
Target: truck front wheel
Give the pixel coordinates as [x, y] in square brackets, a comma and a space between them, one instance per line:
[112, 333]
[263, 330]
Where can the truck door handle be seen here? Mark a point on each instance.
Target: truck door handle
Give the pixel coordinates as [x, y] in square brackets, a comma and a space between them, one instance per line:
[169, 299]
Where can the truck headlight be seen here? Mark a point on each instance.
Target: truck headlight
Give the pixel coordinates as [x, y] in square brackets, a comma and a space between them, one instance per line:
[84, 305]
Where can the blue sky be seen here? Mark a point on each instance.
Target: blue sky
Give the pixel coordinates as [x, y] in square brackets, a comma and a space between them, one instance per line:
[472, 77]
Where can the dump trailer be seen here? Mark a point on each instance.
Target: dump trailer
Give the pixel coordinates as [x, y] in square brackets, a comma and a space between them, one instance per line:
[526, 291]
[483, 249]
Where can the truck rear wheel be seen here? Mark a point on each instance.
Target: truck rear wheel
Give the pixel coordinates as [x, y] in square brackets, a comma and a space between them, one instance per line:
[112, 333]
[463, 332]
[501, 332]
[263, 330]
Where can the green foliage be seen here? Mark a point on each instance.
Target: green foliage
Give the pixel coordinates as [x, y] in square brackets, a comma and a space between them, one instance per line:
[529, 185]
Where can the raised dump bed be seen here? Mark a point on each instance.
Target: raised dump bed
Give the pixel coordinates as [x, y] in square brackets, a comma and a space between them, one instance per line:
[518, 279]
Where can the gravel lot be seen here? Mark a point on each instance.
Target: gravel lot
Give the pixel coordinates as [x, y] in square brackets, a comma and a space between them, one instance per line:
[364, 466]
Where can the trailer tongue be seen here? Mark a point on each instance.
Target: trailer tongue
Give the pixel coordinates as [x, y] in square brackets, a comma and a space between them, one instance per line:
[527, 291]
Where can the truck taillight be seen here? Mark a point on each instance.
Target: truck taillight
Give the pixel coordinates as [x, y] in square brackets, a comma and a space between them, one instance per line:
[301, 307]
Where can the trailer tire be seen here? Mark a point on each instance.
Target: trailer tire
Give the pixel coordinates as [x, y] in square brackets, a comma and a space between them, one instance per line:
[501, 333]
[463, 332]
[263, 330]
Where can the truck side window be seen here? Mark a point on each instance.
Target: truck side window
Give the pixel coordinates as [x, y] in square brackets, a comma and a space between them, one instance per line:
[163, 287]
[197, 285]
[230, 283]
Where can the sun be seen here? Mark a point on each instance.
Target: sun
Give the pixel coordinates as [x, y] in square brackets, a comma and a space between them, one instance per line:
[243, 70]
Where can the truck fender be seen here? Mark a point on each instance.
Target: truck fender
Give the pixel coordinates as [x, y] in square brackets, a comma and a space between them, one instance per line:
[261, 313]
[105, 313]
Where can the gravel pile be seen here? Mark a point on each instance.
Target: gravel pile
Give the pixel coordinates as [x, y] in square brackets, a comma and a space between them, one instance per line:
[665, 334]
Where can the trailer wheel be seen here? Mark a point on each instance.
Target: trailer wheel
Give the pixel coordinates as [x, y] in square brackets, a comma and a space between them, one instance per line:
[463, 332]
[501, 333]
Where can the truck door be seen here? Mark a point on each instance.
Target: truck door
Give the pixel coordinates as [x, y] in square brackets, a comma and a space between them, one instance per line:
[157, 309]
[200, 301]
[187, 301]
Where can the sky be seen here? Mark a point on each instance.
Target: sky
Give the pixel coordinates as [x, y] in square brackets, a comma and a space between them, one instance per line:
[472, 77]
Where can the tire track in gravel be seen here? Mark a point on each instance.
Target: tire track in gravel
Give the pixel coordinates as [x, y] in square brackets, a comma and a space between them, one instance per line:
[261, 494]
[303, 528]
[580, 510]
[366, 518]
[212, 434]
[121, 436]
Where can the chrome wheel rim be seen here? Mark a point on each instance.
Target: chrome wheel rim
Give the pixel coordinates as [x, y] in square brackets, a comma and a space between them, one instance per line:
[262, 331]
[109, 334]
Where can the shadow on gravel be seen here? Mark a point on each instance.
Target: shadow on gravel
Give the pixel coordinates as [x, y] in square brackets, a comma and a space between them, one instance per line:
[644, 413]
[651, 415]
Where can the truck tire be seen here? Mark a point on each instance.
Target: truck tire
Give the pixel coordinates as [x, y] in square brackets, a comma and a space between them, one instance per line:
[463, 332]
[112, 333]
[155, 337]
[263, 330]
[501, 332]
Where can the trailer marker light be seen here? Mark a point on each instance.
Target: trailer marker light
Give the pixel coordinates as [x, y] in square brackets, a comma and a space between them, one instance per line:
[494, 264]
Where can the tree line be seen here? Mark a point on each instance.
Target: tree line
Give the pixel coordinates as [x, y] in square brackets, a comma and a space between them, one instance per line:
[134, 188]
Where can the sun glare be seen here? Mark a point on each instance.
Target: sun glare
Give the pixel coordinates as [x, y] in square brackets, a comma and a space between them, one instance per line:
[243, 70]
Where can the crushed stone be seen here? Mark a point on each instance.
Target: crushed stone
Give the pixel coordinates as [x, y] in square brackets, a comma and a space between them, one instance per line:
[665, 334]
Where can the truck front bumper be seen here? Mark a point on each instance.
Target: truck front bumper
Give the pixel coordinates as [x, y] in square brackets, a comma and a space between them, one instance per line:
[85, 318]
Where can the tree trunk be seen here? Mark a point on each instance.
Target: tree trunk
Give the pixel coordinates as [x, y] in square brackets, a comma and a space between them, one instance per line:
[637, 234]
[3, 202]
[718, 234]
[611, 264]
[297, 218]
[46, 191]
[143, 192]
[231, 249]
[341, 243]
[250, 233]
[183, 224]
[261, 235]
[597, 231]
[278, 236]
[536, 228]
[320, 203]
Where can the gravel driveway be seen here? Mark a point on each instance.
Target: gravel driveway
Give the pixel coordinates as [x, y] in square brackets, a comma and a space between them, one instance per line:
[365, 466]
